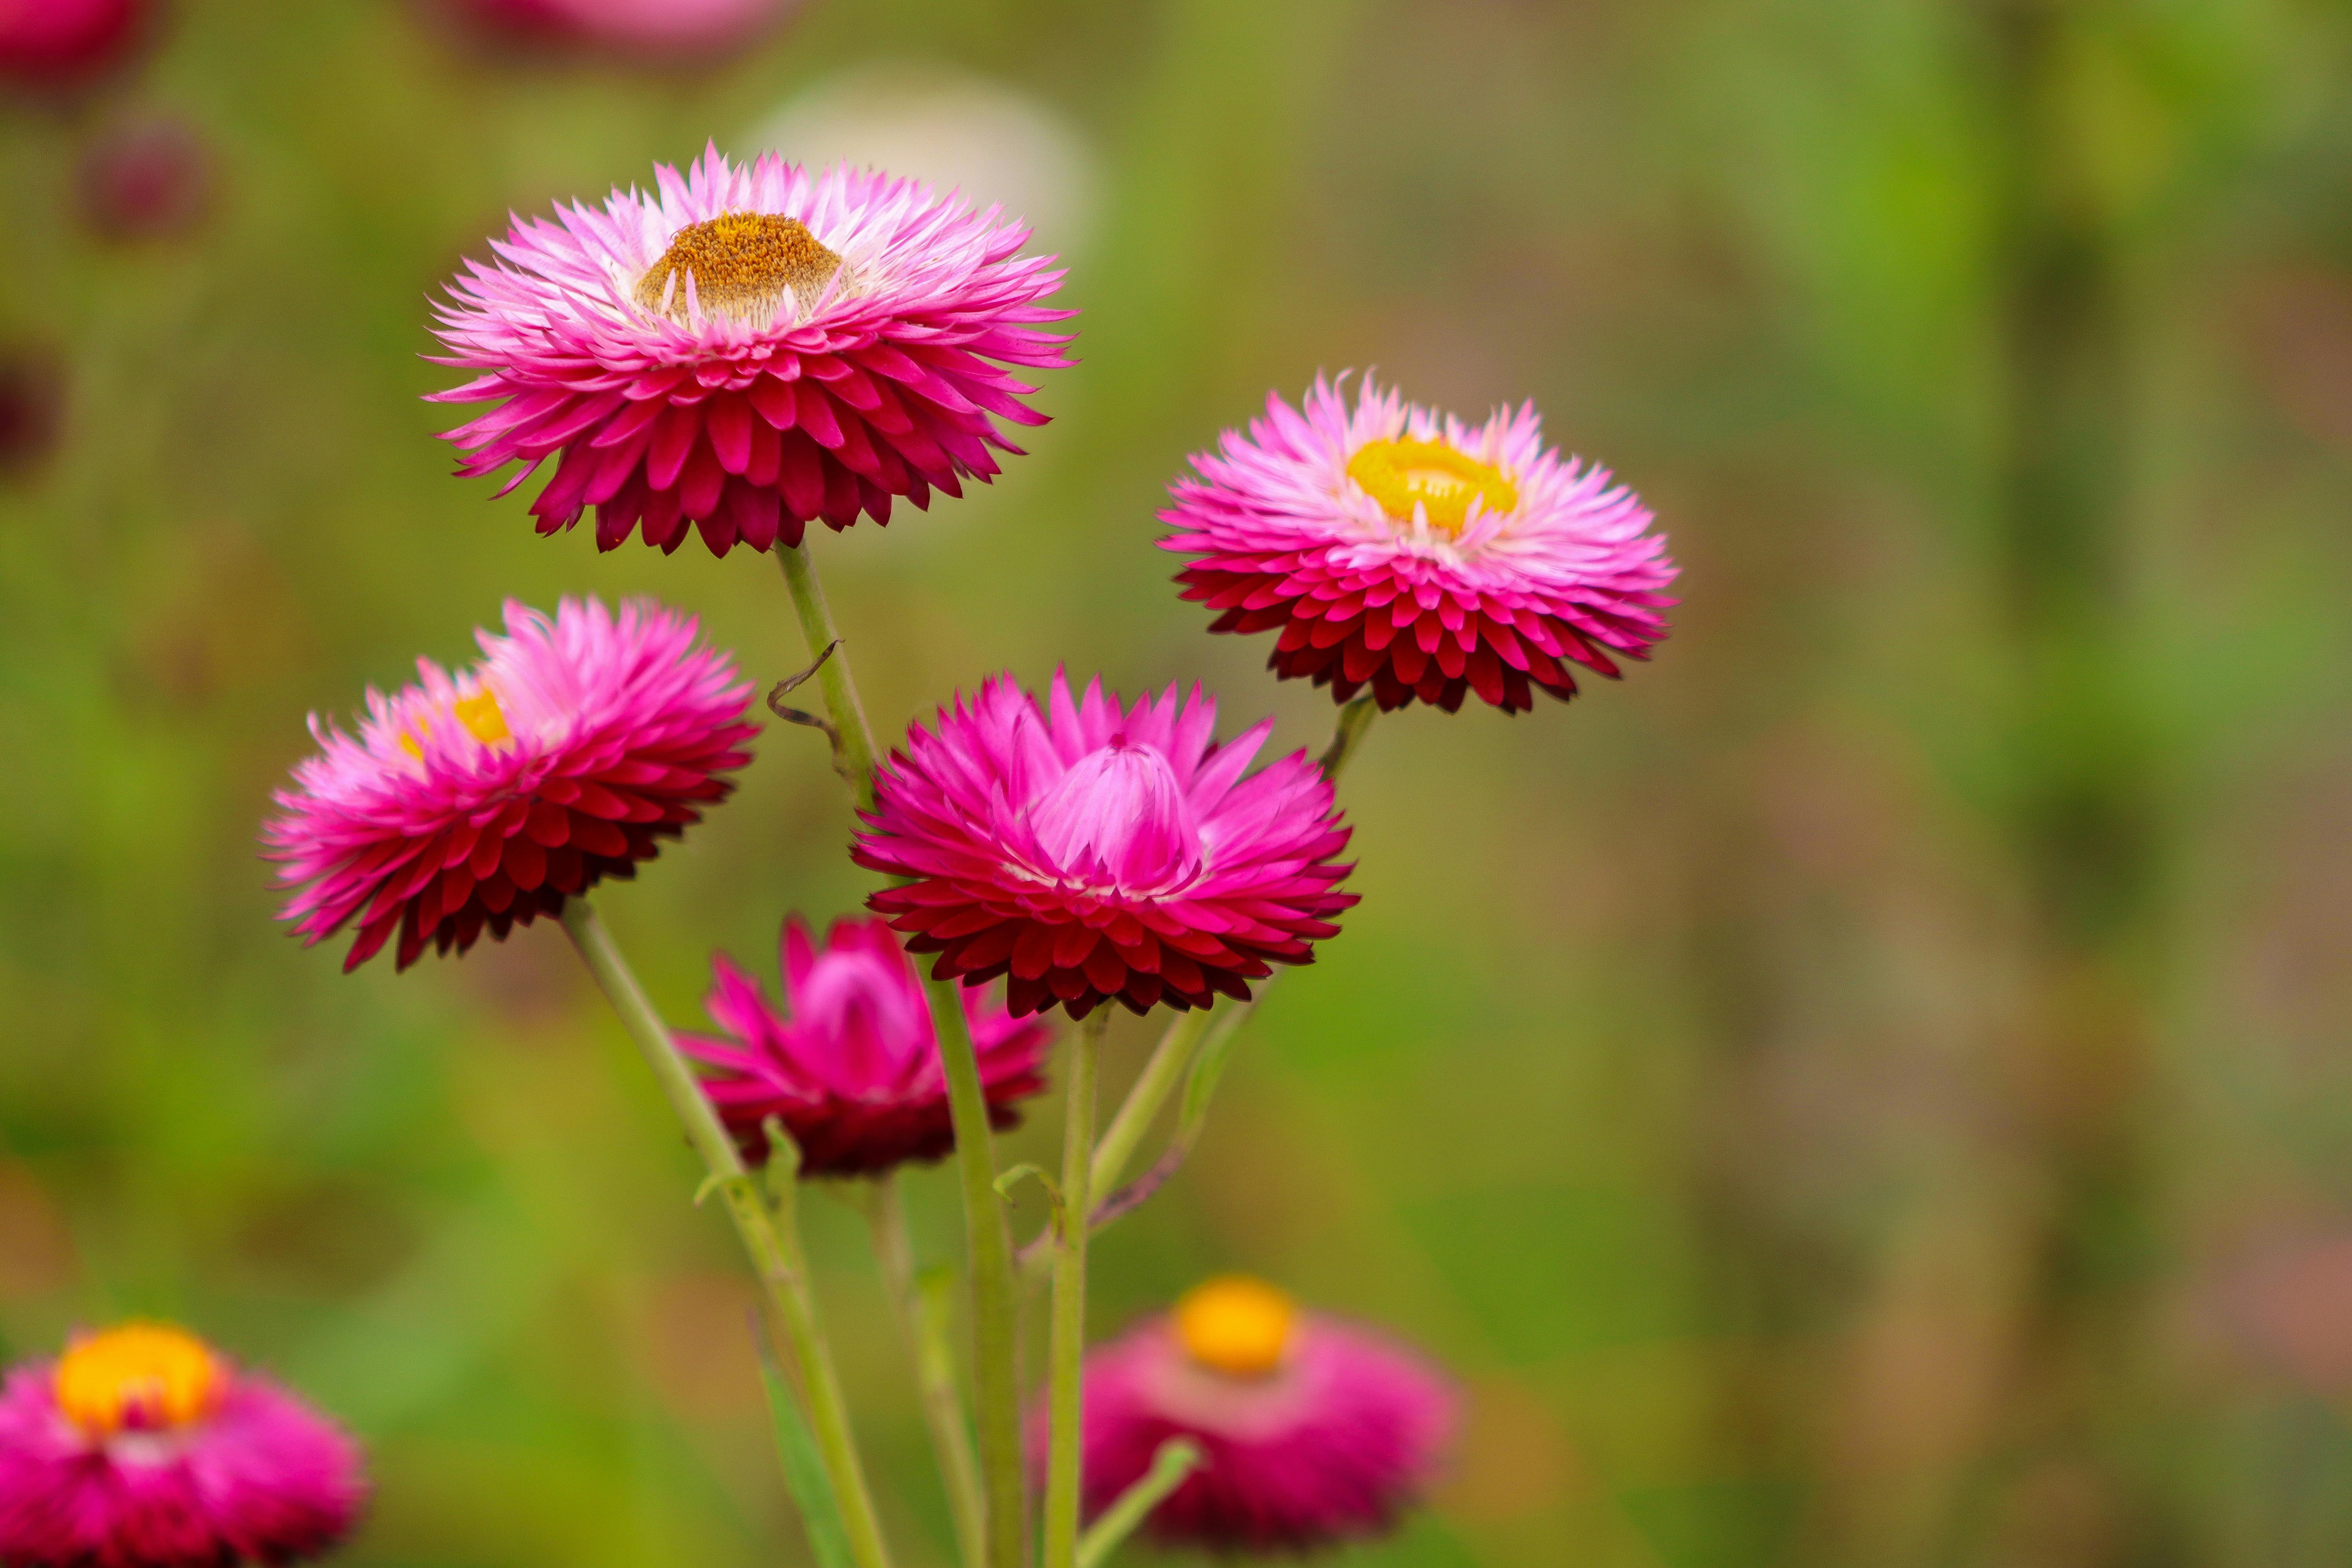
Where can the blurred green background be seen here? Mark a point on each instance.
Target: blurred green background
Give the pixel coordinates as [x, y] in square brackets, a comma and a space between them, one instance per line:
[1869, 1088]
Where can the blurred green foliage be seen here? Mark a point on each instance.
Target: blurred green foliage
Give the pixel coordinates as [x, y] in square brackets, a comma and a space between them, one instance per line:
[1719, 1073]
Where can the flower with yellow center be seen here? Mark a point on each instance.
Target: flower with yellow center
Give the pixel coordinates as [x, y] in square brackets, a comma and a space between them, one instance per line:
[1403, 474]
[741, 263]
[140, 1374]
[1235, 1325]
[479, 713]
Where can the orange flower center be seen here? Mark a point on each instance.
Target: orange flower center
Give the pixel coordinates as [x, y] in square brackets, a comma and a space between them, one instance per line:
[741, 263]
[479, 713]
[1235, 1325]
[140, 1374]
[1400, 475]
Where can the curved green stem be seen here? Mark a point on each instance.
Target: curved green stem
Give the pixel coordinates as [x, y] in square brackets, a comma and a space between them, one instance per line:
[853, 736]
[1168, 1059]
[774, 1248]
[922, 1323]
[1067, 1354]
[1176, 1459]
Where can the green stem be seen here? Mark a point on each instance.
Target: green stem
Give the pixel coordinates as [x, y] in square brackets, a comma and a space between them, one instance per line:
[853, 736]
[995, 1310]
[1068, 1350]
[925, 1330]
[774, 1249]
[1176, 1459]
[1160, 1074]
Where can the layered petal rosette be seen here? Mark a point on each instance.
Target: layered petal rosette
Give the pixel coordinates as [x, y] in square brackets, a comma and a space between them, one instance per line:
[853, 1069]
[746, 349]
[1416, 555]
[486, 798]
[1313, 1431]
[1090, 852]
[141, 1447]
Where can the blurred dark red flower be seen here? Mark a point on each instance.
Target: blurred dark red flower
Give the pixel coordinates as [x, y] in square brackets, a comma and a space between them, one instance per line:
[32, 402]
[146, 178]
[54, 44]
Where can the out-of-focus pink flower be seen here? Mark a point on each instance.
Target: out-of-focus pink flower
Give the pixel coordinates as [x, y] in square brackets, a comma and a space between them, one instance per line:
[748, 349]
[150, 178]
[1091, 852]
[488, 797]
[1314, 1431]
[1423, 557]
[141, 1447]
[853, 1069]
[628, 28]
[31, 406]
[59, 44]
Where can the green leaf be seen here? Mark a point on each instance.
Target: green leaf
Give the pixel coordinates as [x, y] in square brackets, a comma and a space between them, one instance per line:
[804, 1476]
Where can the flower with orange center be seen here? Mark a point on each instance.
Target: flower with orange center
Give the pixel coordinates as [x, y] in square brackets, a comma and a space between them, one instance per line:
[749, 347]
[140, 1446]
[142, 1375]
[1314, 1431]
[1416, 556]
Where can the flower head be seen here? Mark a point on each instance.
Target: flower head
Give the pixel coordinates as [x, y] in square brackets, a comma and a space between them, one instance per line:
[1093, 852]
[1423, 557]
[1314, 1431]
[142, 1447]
[746, 349]
[488, 797]
[64, 44]
[853, 1069]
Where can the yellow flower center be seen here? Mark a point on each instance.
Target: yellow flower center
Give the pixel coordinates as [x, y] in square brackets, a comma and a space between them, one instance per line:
[1443, 481]
[1235, 1325]
[143, 1374]
[481, 715]
[741, 263]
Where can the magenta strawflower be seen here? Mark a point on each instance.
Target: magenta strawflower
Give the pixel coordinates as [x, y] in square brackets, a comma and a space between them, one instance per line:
[1423, 557]
[141, 1447]
[486, 798]
[748, 349]
[1090, 853]
[853, 1069]
[1314, 1431]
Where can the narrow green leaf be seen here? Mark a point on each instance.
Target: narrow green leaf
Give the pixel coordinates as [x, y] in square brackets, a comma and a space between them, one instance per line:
[804, 1471]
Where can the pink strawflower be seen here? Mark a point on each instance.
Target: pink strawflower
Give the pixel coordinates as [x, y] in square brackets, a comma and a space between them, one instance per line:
[488, 797]
[853, 1069]
[748, 349]
[1421, 556]
[1313, 1431]
[141, 1447]
[1091, 853]
[61, 43]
